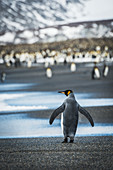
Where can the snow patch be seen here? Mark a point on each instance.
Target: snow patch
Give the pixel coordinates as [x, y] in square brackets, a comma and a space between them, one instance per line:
[7, 37]
[48, 31]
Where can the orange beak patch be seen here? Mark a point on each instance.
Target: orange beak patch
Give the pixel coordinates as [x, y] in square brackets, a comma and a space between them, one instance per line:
[62, 92]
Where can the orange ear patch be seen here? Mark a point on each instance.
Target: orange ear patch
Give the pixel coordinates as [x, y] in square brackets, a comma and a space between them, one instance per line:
[68, 92]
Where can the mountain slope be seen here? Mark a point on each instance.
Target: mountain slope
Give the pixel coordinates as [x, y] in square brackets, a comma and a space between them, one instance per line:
[26, 21]
[26, 14]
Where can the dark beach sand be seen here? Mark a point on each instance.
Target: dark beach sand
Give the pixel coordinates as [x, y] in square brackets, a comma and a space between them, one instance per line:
[50, 153]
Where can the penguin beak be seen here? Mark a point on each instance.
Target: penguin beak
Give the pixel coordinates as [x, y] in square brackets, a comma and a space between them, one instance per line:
[61, 92]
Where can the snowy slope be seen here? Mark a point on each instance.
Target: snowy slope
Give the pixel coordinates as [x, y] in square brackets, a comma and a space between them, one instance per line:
[26, 21]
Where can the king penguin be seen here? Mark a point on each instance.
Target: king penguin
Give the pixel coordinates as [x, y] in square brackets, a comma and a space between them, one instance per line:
[105, 70]
[49, 72]
[95, 72]
[69, 110]
[3, 77]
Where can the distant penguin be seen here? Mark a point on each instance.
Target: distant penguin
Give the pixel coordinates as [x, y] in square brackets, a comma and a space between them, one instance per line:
[29, 63]
[49, 72]
[65, 61]
[69, 118]
[73, 67]
[95, 72]
[3, 77]
[105, 70]
[46, 64]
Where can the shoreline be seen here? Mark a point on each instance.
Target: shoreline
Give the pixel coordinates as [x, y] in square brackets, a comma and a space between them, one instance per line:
[98, 113]
[28, 124]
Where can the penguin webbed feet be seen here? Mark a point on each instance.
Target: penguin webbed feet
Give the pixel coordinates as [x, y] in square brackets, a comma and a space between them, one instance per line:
[71, 141]
[66, 140]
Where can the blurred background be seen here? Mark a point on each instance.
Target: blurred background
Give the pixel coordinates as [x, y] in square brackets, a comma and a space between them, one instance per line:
[47, 46]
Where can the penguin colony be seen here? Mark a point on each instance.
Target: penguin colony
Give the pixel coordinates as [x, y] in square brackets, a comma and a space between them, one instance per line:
[69, 110]
[96, 74]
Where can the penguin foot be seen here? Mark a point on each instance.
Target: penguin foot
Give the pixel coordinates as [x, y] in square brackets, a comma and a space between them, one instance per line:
[65, 140]
[71, 141]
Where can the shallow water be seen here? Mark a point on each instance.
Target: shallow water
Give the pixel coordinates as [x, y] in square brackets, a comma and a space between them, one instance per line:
[25, 101]
[15, 86]
[14, 101]
[21, 125]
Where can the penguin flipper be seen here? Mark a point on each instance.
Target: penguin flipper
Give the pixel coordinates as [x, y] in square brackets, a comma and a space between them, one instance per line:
[85, 113]
[56, 113]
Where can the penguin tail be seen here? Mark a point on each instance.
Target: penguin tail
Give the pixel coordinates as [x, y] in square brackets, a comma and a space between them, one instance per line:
[85, 113]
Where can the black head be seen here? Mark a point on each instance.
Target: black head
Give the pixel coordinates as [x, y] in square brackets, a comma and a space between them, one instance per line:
[66, 92]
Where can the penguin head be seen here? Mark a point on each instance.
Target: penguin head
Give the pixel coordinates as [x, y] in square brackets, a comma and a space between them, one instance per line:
[66, 92]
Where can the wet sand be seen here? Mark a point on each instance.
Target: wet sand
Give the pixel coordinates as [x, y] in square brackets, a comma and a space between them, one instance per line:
[100, 114]
[93, 152]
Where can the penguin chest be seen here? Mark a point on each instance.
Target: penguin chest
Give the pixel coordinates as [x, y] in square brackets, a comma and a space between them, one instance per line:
[96, 73]
[106, 71]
